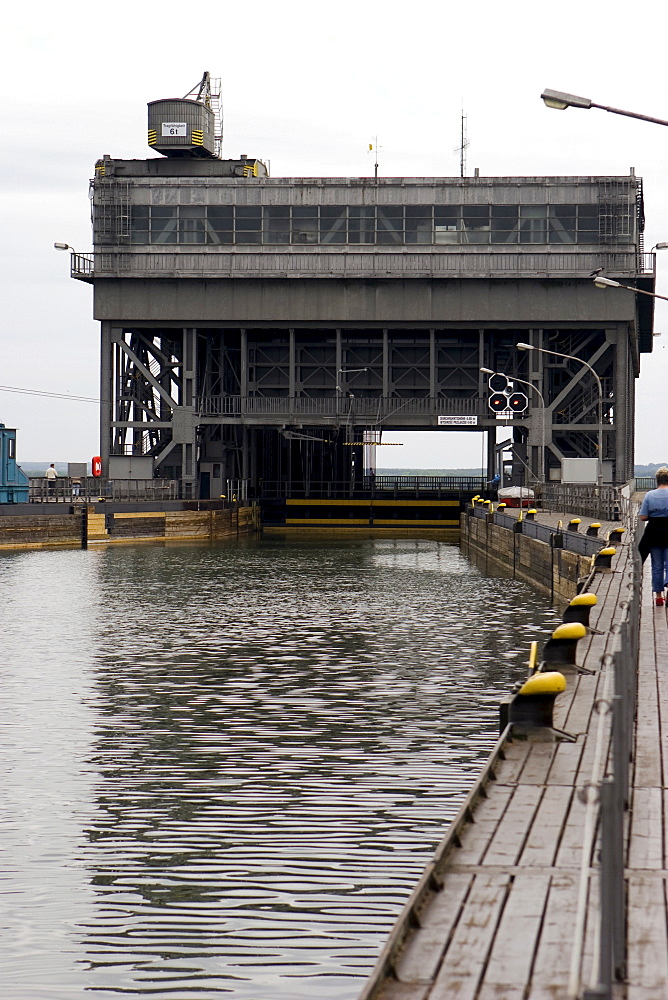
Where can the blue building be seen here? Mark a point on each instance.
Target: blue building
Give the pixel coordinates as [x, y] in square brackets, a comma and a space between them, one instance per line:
[13, 480]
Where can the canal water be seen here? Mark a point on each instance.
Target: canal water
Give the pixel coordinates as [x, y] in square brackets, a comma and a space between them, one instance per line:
[224, 768]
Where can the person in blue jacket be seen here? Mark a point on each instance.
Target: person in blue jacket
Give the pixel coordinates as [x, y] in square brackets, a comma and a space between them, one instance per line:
[654, 542]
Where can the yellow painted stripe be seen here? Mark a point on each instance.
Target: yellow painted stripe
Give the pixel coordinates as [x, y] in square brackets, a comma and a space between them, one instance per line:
[372, 503]
[359, 529]
[389, 522]
[325, 520]
[149, 513]
[416, 521]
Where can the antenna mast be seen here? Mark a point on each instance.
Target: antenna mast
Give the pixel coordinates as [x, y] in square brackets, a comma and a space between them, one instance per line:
[462, 147]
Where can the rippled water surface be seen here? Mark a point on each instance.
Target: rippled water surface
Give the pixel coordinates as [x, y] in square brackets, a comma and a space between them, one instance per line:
[224, 768]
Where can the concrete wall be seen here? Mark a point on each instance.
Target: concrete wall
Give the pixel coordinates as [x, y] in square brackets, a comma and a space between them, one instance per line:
[491, 302]
[502, 552]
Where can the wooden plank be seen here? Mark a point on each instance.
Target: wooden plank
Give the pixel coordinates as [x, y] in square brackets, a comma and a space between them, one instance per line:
[661, 654]
[546, 830]
[464, 960]
[509, 965]
[647, 829]
[516, 753]
[392, 990]
[553, 953]
[486, 817]
[648, 770]
[421, 956]
[569, 851]
[508, 839]
[647, 969]
[538, 763]
[589, 966]
[566, 763]
[577, 719]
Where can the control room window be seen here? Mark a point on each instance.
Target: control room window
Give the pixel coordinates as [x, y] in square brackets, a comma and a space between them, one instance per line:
[505, 223]
[276, 224]
[447, 224]
[533, 223]
[419, 223]
[139, 224]
[563, 226]
[390, 224]
[191, 224]
[333, 224]
[305, 225]
[588, 224]
[475, 224]
[248, 224]
[361, 224]
[163, 224]
[219, 224]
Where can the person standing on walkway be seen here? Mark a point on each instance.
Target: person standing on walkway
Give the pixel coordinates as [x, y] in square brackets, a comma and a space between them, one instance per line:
[654, 542]
[51, 475]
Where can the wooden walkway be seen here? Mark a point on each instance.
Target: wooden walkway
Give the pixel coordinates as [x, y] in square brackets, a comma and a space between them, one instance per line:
[509, 906]
[647, 863]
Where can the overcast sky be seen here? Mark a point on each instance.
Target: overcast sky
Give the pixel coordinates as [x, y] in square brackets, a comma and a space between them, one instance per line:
[306, 86]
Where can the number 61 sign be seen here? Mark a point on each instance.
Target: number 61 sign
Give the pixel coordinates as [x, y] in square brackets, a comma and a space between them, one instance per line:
[175, 128]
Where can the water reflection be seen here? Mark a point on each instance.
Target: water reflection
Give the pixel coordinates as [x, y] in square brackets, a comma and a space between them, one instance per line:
[275, 735]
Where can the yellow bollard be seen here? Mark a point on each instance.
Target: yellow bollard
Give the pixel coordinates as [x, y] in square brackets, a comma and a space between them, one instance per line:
[574, 524]
[560, 649]
[602, 560]
[532, 706]
[593, 529]
[579, 609]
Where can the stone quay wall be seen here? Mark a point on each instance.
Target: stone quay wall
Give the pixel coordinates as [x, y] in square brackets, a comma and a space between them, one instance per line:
[81, 525]
[502, 552]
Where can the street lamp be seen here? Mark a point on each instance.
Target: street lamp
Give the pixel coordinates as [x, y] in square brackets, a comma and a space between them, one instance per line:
[571, 357]
[560, 101]
[602, 282]
[347, 371]
[514, 378]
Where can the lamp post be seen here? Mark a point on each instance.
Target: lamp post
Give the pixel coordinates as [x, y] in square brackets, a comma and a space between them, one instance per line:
[602, 282]
[559, 101]
[571, 357]
[346, 371]
[541, 452]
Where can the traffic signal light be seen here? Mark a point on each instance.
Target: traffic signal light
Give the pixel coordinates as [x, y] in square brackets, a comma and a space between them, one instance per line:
[498, 402]
[517, 402]
[498, 383]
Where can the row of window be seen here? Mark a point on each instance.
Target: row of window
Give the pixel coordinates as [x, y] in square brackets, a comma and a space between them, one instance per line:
[389, 225]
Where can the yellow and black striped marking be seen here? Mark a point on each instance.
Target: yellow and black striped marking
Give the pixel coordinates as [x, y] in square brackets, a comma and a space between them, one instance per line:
[152, 137]
[367, 513]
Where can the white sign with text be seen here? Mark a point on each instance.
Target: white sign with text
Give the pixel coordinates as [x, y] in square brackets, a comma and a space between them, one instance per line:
[459, 420]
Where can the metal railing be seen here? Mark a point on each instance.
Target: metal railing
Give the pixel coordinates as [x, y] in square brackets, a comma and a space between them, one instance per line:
[373, 407]
[381, 487]
[356, 263]
[608, 792]
[64, 490]
[606, 504]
